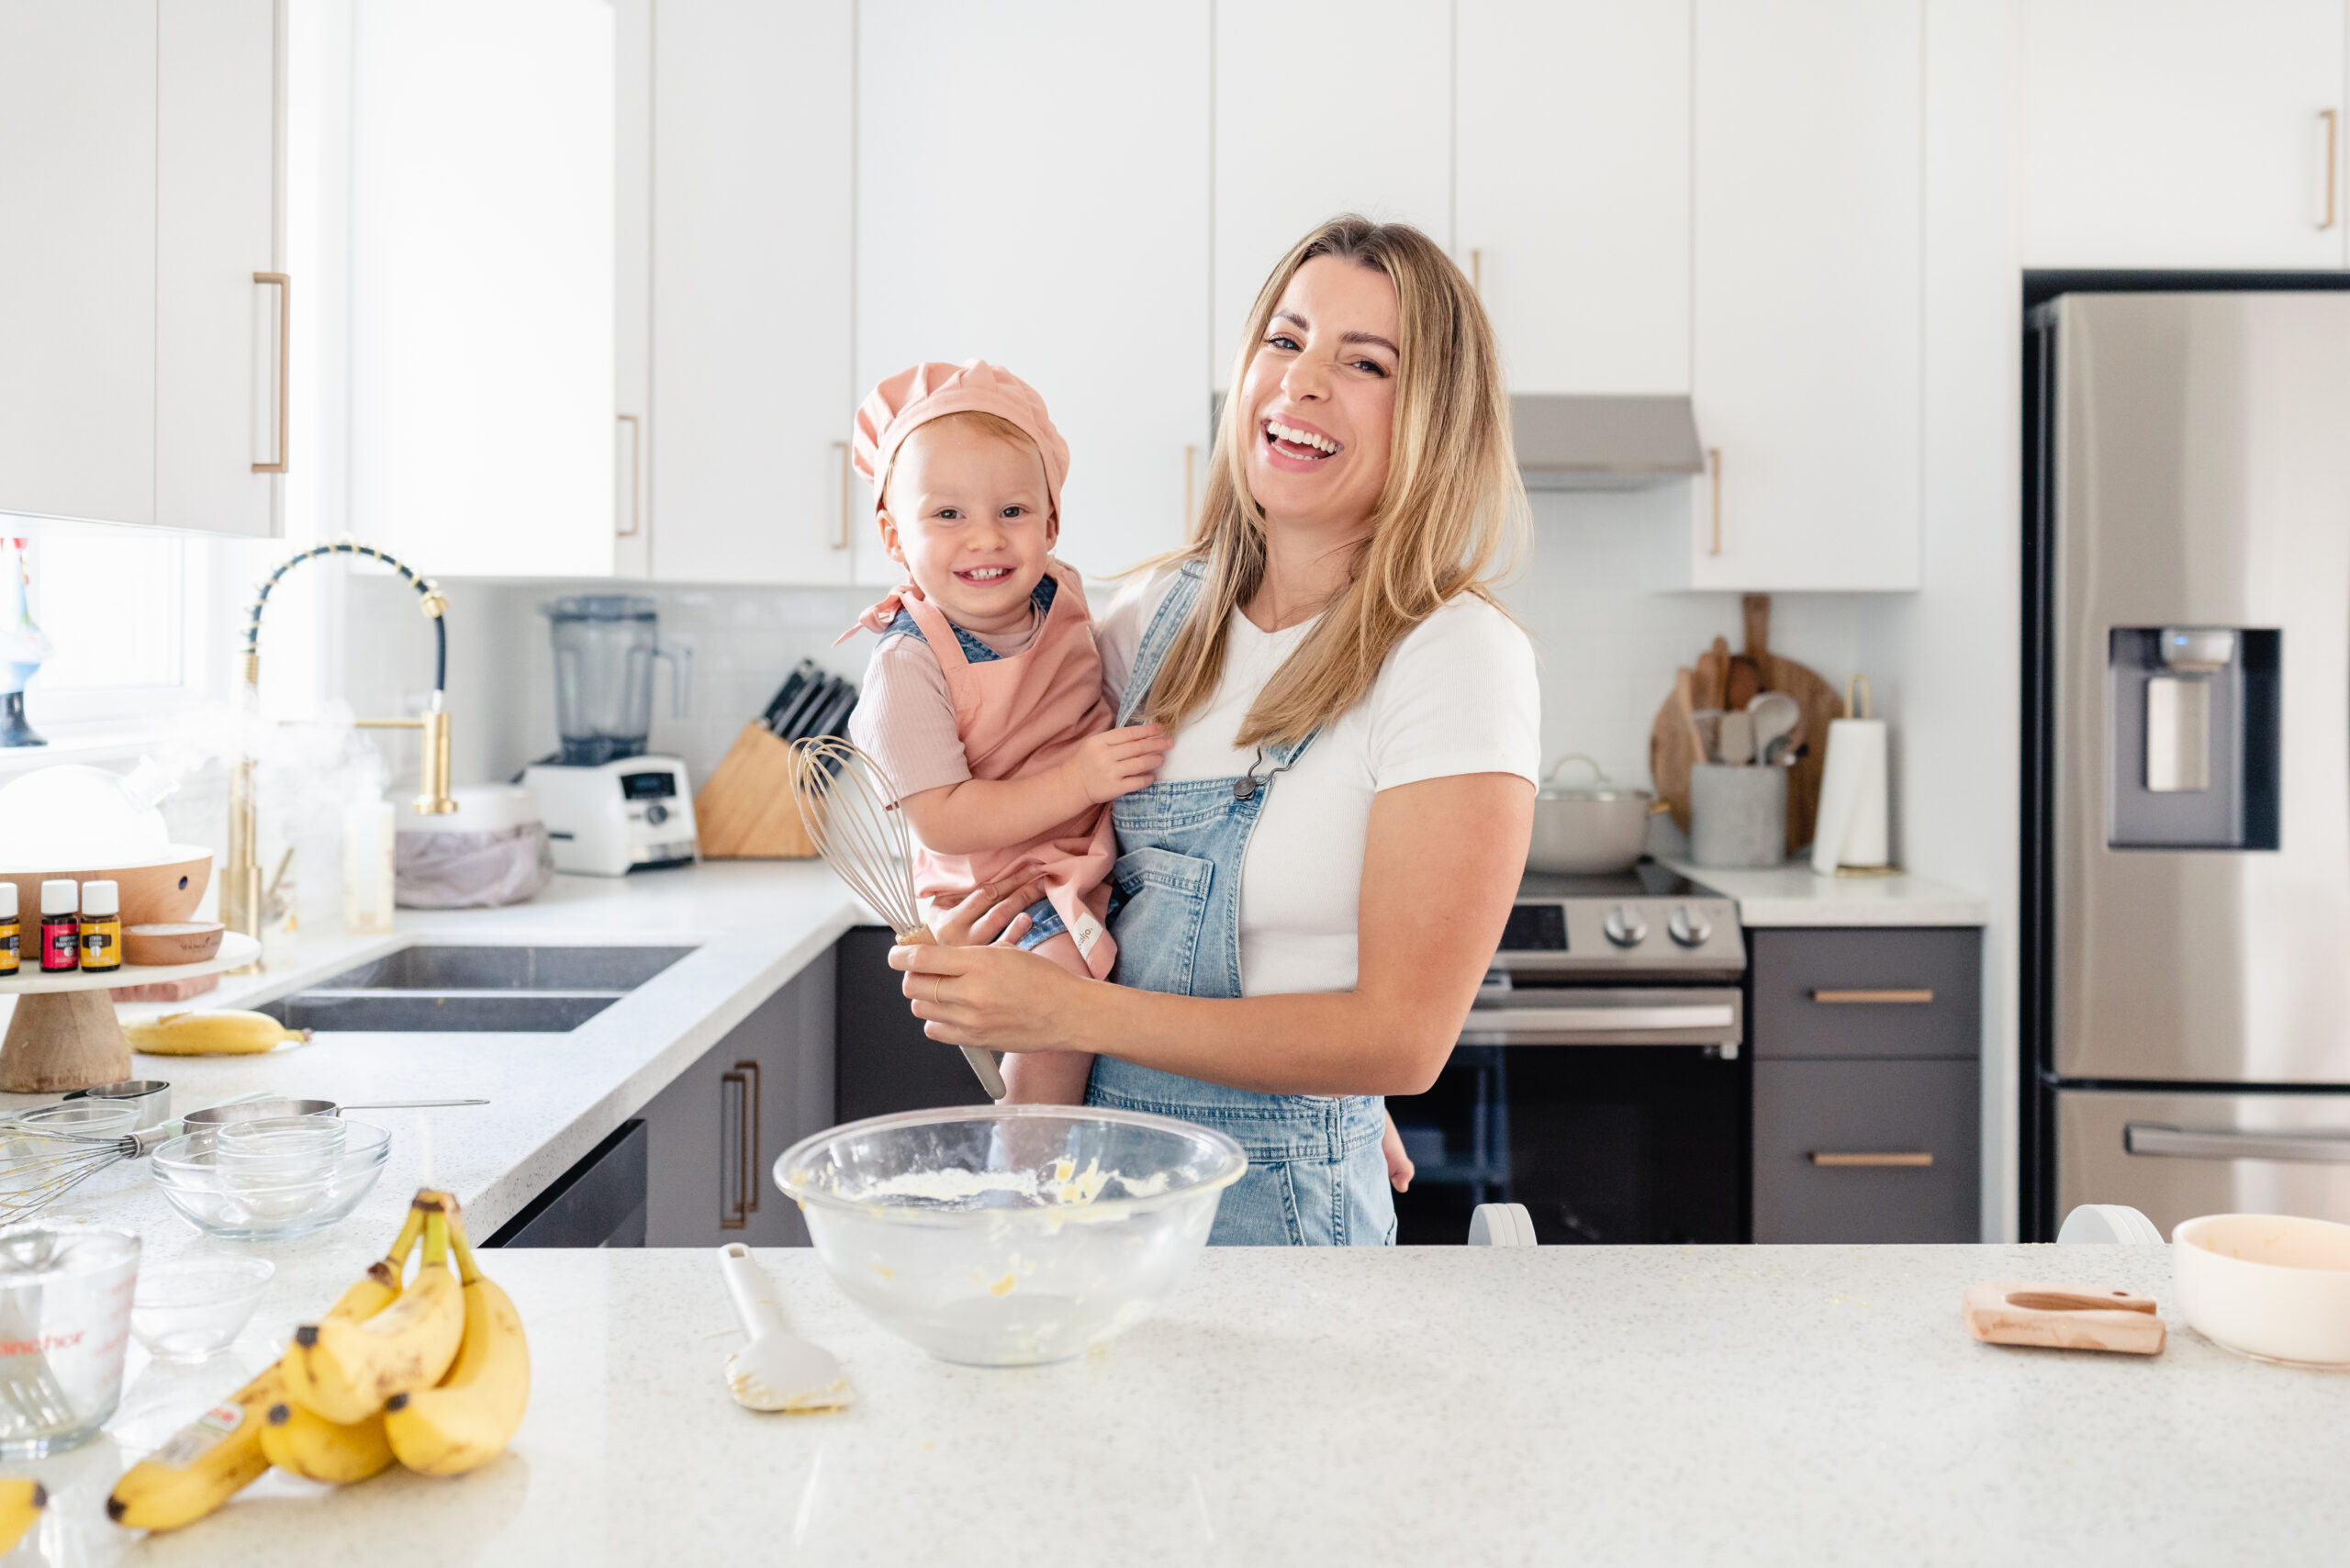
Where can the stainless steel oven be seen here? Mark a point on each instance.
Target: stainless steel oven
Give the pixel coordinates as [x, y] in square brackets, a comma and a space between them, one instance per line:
[1600, 1079]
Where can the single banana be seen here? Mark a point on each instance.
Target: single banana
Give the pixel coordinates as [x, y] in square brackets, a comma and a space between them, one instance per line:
[228, 1032]
[21, 1501]
[318, 1450]
[344, 1371]
[466, 1419]
[380, 1285]
[209, 1460]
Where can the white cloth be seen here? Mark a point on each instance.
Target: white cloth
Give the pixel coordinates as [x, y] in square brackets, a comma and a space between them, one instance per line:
[1458, 695]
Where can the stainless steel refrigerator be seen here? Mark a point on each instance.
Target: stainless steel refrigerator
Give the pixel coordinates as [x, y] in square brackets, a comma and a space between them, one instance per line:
[2186, 789]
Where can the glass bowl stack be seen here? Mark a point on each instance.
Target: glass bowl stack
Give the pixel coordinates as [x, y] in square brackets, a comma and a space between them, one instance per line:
[272, 1177]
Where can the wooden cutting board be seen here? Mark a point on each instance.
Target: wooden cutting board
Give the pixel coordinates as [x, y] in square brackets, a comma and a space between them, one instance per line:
[1672, 749]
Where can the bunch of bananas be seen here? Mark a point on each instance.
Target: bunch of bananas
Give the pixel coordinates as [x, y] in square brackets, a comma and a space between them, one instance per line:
[434, 1376]
[228, 1032]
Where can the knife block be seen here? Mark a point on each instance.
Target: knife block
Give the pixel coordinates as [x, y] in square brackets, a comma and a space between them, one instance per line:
[748, 809]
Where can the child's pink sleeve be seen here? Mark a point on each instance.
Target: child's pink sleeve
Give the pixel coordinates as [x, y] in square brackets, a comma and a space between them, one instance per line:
[905, 720]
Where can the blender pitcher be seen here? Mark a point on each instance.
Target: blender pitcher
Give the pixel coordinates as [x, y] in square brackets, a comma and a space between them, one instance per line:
[604, 647]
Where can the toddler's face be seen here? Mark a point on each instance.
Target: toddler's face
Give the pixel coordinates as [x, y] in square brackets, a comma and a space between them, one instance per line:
[965, 512]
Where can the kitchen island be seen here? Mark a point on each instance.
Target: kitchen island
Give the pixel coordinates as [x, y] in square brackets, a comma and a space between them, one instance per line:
[1771, 1404]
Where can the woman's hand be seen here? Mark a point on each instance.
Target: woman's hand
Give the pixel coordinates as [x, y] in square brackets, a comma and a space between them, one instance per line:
[997, 997]
[995, 913]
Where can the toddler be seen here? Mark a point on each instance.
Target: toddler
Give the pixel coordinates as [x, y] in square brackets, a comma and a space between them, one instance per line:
[983, 702]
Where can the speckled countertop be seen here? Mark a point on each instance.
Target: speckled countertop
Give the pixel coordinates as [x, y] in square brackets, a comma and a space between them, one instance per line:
[1793, 895]
[1768, 1405]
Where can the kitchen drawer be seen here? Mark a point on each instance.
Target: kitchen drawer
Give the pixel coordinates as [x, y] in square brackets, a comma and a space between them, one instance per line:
[1863, 1110]
[1906, 992]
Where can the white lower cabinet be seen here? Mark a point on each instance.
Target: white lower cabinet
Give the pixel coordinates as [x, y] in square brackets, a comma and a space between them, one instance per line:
[715, 1131]
[141, 342]
[1808, 295]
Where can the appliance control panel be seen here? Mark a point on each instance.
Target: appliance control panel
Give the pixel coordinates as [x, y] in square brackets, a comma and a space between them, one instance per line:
[1605, 935]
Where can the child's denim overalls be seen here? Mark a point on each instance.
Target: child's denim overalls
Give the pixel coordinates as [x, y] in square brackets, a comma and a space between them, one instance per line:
[1316, 1176]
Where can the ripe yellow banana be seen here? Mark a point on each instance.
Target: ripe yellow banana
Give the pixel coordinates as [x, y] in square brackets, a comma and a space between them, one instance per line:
[209, 1460]
[318, 1450]
[344, 1371]
[380, 1285]
[21, 1501]
[228, 1032]
[467, 1419]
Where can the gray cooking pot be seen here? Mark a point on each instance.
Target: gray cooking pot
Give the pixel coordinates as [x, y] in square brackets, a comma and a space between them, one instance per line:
[1583, 829]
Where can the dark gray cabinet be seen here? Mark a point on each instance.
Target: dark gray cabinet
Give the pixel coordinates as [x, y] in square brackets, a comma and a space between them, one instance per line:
[1867, 1069]
[597, 1203]
[713, 1134]
[885, 1062]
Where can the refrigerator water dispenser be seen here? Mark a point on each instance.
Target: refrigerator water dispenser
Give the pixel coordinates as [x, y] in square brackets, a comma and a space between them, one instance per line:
[2192, 721]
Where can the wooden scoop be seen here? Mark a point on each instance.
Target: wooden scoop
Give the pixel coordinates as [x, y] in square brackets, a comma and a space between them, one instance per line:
[2063, 1318]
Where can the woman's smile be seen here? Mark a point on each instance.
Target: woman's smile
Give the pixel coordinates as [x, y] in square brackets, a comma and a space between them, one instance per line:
[1292, 440]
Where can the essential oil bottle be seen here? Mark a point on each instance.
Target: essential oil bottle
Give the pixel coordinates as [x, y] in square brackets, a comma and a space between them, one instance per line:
[101, 926]
[61, 924]
[11, 934]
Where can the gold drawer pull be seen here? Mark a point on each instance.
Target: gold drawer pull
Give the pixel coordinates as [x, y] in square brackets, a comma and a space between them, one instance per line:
[1819, 1157]
[1836, 998]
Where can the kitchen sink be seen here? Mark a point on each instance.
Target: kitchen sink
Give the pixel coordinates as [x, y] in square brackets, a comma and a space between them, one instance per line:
[435, 989]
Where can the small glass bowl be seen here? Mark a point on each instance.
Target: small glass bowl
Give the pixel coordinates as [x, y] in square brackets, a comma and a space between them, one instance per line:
[191, 1308]
[80, 1118]
[187, 1170]
[272, 1162]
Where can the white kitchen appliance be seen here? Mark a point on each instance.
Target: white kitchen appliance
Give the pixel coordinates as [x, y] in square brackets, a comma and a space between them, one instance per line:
[633, 813]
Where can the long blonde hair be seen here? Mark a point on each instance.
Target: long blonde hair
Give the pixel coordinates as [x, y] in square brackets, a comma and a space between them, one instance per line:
[1450, 520]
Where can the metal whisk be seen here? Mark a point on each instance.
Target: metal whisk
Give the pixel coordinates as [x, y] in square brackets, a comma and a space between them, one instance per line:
[849, 807]
[38, 1168]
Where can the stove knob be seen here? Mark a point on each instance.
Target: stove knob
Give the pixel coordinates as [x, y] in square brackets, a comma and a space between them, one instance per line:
[1688, 927]
[1624, 927]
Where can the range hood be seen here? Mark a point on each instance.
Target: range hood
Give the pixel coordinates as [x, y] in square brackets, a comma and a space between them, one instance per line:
[1587, 441]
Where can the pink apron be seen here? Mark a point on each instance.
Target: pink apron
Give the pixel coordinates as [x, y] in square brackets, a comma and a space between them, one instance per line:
[1019, 716]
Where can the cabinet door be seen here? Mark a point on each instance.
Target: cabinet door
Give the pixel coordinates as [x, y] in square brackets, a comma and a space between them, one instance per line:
[77, 257]
[1573, 194]
[1866, 1151]
[221, 410]
[752, 393]
[481, 285]
[1808, 293]
[1062, 233]
[1289, 74]
[2188, 133]
[632, 285]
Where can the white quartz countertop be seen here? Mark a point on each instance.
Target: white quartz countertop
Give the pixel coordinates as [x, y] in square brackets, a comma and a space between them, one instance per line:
[1765, 1405]
[1792, 895]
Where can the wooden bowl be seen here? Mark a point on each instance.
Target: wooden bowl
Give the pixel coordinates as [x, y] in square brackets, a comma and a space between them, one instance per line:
[190, 941]
[161, 891]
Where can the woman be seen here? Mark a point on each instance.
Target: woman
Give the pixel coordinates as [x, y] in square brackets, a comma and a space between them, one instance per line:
[1316, 884]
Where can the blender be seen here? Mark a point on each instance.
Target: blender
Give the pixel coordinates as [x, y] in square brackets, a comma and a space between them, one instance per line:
[609, 807]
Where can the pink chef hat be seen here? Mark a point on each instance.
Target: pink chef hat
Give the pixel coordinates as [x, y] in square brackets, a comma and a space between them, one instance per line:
[913, 397]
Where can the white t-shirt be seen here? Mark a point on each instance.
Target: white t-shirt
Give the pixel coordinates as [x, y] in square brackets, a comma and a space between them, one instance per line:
[1458, 695]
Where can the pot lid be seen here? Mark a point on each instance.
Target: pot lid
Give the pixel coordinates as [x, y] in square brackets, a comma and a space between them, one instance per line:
[1598, 788]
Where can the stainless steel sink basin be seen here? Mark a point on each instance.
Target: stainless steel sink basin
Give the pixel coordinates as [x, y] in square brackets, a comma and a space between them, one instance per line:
[447, 989]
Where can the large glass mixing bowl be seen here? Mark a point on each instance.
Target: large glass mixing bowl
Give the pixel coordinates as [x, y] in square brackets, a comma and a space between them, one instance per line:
[1010, 1235]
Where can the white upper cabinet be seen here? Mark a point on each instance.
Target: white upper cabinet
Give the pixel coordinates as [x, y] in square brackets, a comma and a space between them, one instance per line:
[140, 168]
[1033, 190]
[1573, 189]
[752, 387]
[481, 300]
[1807, 290]
[1323, 106]
[2183, 133]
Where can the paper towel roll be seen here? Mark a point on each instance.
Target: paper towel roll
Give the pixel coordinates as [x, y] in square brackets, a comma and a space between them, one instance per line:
[1850, 827]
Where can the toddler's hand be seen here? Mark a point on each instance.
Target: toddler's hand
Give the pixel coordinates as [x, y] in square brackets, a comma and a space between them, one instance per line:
[1118, 762]
[1399, 1164]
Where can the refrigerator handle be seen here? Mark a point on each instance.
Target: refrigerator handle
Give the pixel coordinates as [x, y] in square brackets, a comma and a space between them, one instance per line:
[2229, 1143]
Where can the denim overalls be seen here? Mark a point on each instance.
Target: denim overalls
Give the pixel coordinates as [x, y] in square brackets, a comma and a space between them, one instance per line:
[1316, 1176]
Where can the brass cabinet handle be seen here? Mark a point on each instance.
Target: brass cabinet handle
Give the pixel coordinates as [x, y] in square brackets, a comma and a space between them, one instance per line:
[635, 474]
[1839, 998]
[1714, 461]
[1477, 270]
[848, 475]
[1819, 1157]
[738, 1207]
[285, 360]
[2333, 122]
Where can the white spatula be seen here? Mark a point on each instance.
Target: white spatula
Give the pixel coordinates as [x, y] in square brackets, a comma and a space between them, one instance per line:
[778, 1370]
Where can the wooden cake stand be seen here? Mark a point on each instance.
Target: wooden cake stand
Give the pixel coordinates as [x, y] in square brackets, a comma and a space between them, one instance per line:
[63, 1034]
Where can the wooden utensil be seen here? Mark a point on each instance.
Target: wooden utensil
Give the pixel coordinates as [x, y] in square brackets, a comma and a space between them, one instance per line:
[849, 807]
[1745, 673]
[2063, 1318]
[1713, 675]
[1819, 702]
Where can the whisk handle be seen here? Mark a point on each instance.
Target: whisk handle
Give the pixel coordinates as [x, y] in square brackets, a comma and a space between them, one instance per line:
[982, 1061]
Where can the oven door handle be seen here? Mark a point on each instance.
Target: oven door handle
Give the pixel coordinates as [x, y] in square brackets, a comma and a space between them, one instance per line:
[2229, 1143]
[1612, 1020]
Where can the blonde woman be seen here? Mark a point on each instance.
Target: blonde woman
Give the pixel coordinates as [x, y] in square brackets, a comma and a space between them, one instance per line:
[1312, 889]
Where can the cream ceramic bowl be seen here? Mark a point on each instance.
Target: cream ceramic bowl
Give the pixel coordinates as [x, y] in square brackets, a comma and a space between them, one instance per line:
[2268, 1285]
